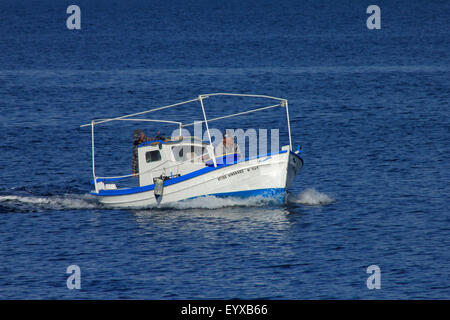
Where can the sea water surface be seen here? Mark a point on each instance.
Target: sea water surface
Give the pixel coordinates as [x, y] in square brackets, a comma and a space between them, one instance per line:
[369, 107]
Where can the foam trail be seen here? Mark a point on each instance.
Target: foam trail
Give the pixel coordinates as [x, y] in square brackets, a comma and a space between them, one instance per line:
[33, 203]
[18, 203]
[311, 197]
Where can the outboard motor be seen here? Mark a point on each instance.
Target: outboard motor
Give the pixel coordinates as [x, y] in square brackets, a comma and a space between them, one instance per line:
[159, 187]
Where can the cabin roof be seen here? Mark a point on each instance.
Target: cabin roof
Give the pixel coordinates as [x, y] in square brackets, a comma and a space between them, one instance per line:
[190, 140]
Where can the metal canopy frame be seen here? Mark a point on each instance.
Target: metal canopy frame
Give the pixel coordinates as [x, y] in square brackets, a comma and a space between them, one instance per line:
[200, 98]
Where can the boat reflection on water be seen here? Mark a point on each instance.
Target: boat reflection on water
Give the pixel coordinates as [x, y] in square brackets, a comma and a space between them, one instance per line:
[211, 213]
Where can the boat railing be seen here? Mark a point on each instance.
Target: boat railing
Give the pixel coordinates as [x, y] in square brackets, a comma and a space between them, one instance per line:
[152, 171]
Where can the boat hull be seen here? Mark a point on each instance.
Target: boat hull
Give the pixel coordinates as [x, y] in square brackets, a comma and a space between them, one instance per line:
[267, 176]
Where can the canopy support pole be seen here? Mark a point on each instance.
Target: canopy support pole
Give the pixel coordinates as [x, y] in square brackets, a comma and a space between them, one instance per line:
[207, 129]
[93, 156]
[288, 123]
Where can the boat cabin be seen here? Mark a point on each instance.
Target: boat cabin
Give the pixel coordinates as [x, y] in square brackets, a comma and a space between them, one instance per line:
[169, 159]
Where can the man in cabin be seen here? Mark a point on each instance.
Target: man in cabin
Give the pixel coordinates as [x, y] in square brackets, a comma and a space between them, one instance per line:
[138, 138]
[227, 147]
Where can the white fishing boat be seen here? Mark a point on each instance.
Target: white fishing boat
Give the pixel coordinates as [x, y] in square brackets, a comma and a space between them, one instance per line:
[185, 167]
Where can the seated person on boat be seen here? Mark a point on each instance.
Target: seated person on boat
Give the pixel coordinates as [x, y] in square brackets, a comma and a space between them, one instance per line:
[227, 150]
[138, 138]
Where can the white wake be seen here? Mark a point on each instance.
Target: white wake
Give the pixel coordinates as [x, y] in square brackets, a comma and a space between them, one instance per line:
[310, 197]
[62, 202]
[19, 203]
[28, 203]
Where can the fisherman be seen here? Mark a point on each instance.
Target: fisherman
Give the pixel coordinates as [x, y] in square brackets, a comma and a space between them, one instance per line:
[227, 147]
[138, 138]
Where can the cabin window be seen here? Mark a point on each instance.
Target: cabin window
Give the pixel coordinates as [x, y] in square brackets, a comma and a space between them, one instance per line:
[179, 152]
[153, 156]
[186, 152]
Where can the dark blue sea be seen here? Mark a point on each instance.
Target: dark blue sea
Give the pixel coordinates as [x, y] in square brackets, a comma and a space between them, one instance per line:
[369, 107]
